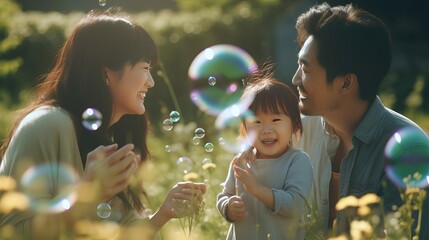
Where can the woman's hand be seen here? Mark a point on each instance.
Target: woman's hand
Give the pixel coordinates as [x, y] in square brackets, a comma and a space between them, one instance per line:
[188, 193]
[110, 168]
[235, 209]
[183, 193]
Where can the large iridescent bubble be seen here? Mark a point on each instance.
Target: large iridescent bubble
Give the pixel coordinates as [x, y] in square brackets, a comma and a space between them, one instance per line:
[407, 158]
[217, 77]
[56, 181]
[229, 127]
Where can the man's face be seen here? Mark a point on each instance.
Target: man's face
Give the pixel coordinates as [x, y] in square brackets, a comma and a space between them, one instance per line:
[316, 95]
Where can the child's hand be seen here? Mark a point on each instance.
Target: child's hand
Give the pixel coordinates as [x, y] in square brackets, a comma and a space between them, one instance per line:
[248, 156]
[235, 209]
[246, 177]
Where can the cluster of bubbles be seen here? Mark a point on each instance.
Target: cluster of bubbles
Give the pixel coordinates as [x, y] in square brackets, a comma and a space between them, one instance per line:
[217, 76]
[407, 153]
[168, 123]
[185, 164]
[92, 119]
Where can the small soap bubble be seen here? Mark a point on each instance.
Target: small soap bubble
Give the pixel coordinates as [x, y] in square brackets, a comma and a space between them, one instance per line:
[91, 119]
[221, 141]
[102, 2]
[168, 148]
[212, 81]
[104, 210]
[184, 164]
[147, 213]
[206, 160]
[209, 147]
[175, 116]
[200, 132]
[167, 124]
[196, 140]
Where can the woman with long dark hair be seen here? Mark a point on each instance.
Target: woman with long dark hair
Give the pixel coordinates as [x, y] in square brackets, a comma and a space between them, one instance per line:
[104, 65]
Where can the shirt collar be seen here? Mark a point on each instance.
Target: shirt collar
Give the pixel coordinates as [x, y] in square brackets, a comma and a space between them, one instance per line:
[369, 125]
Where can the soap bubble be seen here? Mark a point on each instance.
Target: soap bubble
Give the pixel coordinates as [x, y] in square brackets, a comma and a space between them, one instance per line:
[167, 124]
[104, 210]
[41, 178]
[196, 140]
[184, 164]
[224, 67]
[91, 119]
[175, 116]
[407, 154]
[212, 81]
[209, 147]
[229, 127]
[200, 132]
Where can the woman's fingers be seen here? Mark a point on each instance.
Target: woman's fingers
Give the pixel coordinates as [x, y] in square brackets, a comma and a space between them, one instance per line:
[190, 194]
[119, 154]
[191, 185]
[126, 163]
[102, 151]
[113, 171]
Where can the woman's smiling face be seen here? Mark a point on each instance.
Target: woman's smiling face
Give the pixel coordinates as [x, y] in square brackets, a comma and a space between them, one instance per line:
[129, 87]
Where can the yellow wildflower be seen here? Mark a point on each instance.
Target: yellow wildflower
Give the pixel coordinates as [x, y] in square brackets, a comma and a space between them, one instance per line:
[360, 229]
[7, 183]
[13, 201]
[349, 201]
[411, 190]
[190, 176]
[368, 199]
[341, 237]
[417, 176]
[209, 165]
[364, 210]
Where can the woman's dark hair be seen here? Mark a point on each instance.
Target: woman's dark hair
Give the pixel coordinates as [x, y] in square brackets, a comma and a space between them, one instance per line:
[349, 40]
[77, 82]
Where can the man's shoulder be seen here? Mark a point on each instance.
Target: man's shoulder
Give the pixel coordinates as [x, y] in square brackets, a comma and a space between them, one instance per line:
[394, 121]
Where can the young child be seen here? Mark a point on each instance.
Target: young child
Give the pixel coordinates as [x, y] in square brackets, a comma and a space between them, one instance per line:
[265, 199]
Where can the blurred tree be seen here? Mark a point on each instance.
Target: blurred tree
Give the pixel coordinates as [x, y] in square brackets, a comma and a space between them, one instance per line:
[9, 41]
[66, 6]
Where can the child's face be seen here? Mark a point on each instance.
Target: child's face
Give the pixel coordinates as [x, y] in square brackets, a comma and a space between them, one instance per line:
[273, 133]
